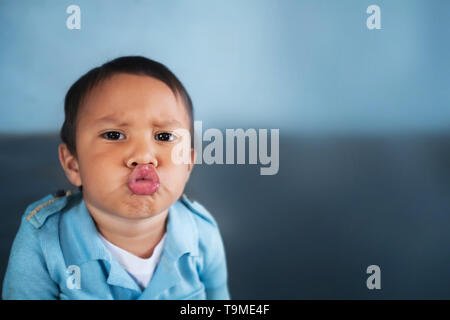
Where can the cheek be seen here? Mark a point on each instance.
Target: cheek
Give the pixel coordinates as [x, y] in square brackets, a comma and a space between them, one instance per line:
[98, 167]
[97, 153]
[174, 177]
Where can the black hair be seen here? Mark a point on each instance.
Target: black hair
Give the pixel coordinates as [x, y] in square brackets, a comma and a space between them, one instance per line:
[135, 65]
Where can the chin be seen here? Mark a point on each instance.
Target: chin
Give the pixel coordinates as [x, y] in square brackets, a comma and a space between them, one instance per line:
[142, 207]
[137, 215]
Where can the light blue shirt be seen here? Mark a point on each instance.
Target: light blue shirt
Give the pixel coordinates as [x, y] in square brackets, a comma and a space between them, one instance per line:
[58, 254]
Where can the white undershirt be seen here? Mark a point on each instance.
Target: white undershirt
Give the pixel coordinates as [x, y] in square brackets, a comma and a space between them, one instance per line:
[140, 269]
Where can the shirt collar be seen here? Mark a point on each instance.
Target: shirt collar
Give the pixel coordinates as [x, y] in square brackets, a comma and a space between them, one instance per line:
[80, 240]
[182, 232]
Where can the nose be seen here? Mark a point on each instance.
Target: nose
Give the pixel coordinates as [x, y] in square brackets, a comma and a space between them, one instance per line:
[142, 153]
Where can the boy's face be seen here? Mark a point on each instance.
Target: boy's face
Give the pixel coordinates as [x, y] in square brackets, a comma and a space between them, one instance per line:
[124, 122]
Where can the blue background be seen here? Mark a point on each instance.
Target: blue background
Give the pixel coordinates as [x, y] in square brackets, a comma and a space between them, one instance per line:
[296, 65]
[364, 119]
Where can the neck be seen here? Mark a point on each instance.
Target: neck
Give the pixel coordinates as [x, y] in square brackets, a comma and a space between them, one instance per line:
[137, 236]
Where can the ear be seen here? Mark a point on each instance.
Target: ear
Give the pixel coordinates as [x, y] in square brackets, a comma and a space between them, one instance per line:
[70, 164]
[191, 164]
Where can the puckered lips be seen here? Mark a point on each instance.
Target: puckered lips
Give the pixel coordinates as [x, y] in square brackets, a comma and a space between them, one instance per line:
[143, 180]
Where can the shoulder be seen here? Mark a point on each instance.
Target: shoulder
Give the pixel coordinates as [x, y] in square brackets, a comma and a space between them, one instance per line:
[39, 211]
[201, 215]
[33, 259]
[209, 236]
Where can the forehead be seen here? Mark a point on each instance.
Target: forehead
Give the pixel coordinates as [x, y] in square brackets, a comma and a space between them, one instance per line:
[134, 99]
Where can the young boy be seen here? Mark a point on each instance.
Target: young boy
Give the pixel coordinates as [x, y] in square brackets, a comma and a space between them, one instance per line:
[130, 233]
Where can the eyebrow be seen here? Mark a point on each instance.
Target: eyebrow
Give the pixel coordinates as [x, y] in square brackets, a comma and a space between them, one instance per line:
[120, 123]
[111, 119]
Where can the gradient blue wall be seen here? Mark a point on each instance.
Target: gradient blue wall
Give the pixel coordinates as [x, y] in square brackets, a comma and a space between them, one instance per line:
[302, 66]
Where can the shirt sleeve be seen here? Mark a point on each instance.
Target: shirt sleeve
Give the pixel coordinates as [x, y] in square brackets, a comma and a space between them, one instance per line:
[27, 276]
[214, 275]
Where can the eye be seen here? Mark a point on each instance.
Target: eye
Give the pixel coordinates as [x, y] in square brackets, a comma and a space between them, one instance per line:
[165, 136]
[113, 135]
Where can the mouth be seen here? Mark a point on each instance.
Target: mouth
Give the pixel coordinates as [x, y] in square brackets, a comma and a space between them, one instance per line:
[143, 180]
